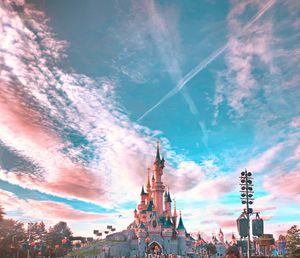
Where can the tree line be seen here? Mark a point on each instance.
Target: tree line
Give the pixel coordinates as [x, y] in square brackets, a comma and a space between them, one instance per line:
[17, 241]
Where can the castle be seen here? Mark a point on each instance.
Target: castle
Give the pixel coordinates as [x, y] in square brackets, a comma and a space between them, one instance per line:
[155, 224]
[155, 228]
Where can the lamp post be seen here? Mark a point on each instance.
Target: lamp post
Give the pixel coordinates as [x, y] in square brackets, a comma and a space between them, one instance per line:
[147, 244]
[246, 184]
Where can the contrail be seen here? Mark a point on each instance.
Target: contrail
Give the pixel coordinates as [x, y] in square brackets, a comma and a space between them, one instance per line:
[202, 65]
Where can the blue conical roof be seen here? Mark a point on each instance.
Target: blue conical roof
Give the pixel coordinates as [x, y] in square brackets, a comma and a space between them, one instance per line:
[142, 225]
[169, 197]
[168, 223]
[157, 158]
[143, 191]
[180, 224]
[166, 194]
[150, 206]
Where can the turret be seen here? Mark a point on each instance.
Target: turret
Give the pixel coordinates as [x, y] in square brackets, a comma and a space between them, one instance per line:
[167, 202]
[158, 166]
[143, 195]
[181, 237]
[221, 236]
[135, 213]
[153, 182]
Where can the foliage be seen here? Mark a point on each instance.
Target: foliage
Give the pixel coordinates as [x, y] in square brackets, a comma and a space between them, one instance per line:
[38, 231]
[12, 235]
[14, 238]
[211, 249]
[293, 241]
[57, 233]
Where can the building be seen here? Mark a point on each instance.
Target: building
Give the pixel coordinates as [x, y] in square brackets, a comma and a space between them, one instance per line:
[281, 245]
[220, 244]
[157, 227]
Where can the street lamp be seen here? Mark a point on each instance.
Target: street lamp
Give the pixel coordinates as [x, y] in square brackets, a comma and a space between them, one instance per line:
[246, 183]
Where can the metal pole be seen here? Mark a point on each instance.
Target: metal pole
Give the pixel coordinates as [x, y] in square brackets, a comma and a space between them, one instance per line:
[248, 217]
[29, 232]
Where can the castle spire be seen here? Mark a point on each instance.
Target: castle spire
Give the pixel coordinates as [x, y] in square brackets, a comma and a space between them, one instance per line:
[143, 191]
[180, 224]
[157, 152]
[174, 212]
[148, 181]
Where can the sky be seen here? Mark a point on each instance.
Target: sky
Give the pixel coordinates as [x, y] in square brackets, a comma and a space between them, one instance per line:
[88, 87]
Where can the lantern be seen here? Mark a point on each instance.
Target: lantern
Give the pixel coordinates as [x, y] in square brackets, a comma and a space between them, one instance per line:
[242, 224]
[257, 227]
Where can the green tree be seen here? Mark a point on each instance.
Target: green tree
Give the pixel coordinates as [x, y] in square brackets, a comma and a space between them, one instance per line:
[12, 235]
[57, 233]
[211, 249]
[38, 231]
[55, 236]
[293, 242]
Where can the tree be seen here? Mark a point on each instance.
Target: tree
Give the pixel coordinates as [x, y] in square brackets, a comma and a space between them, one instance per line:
[55, 236]
[12, 235]
[293, 241]
[57, 233]
[38, 231]
[211, 249]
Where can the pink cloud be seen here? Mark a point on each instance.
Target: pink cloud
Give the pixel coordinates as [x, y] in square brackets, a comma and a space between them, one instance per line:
[285, 185]
[22, 130]
[228, 223]
[44, 210]
[262, 161]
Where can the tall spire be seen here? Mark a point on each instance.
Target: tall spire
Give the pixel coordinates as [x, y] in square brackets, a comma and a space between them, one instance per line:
[174, 212]
[148, 181]
[157, 151]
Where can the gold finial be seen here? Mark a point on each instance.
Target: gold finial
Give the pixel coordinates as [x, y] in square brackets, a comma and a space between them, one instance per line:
[148, 182]
[174, 212]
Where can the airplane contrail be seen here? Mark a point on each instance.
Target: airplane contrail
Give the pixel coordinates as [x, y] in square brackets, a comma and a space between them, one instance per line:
[202, 65]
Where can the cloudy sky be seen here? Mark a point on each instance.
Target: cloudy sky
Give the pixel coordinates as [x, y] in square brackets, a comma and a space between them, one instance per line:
[88, 87]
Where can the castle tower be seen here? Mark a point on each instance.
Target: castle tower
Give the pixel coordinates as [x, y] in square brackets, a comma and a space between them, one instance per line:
[158, 166]
[144, 196]
[181, 238]
[167, 203]
[221, 236]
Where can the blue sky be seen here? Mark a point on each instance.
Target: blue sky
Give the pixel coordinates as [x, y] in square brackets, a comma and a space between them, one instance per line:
[87, 88]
